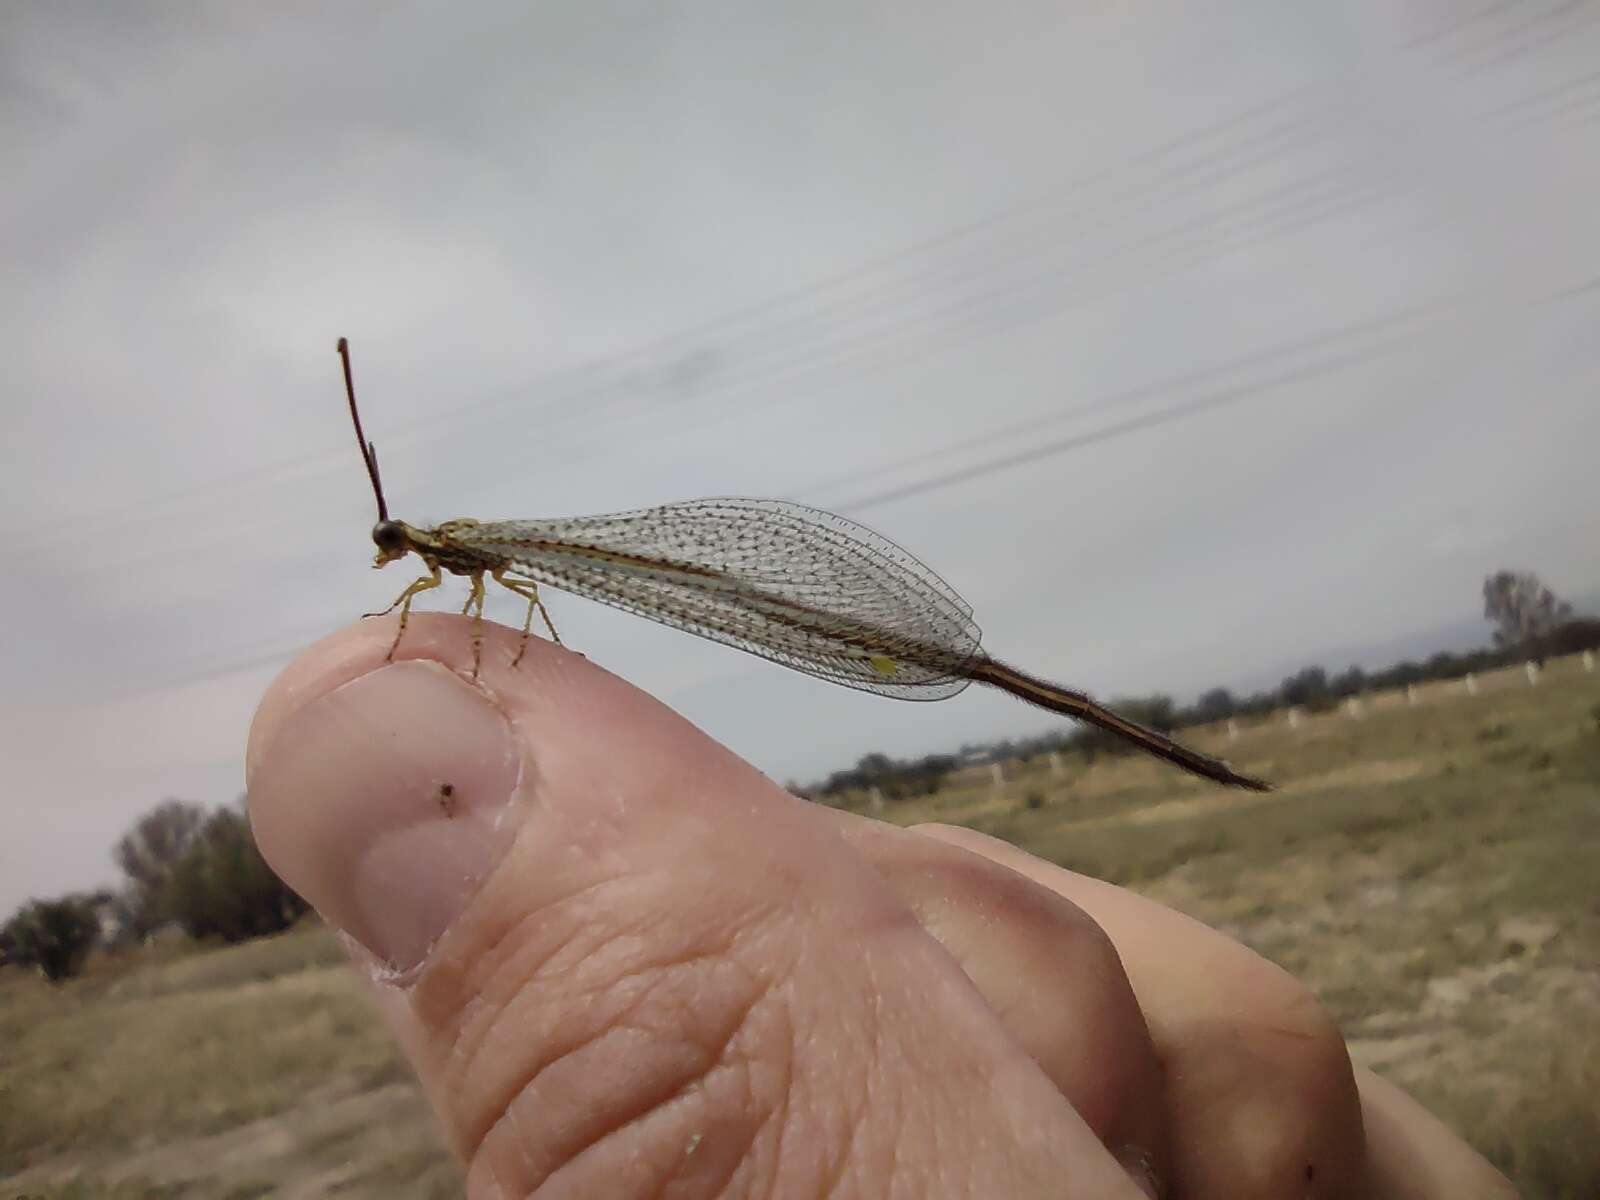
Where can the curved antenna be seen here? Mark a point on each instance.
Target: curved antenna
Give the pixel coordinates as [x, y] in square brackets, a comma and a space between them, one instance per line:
[369, 452]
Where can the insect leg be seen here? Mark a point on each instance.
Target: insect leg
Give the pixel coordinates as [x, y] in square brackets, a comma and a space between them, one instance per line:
[529, 591]
[403, 603]
[475, 599]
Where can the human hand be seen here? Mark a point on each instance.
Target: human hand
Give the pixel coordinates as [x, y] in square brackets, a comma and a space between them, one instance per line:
[625, 964]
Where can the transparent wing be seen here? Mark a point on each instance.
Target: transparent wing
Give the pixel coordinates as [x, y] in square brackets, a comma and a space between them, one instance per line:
[796, 585]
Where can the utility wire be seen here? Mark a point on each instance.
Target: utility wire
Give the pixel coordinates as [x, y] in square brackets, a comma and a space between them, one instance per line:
[1494, 45]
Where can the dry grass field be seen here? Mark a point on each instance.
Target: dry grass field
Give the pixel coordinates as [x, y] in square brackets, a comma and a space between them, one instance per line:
[1430, 870]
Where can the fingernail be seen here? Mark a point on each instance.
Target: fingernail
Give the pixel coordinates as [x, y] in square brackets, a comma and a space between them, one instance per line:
[385, 803]
[1141, 1169]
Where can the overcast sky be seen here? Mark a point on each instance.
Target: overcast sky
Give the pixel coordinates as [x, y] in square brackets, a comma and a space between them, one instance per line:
[1188, 342]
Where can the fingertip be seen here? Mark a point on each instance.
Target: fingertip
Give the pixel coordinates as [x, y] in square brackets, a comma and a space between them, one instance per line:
[442, 638]
[379, 789]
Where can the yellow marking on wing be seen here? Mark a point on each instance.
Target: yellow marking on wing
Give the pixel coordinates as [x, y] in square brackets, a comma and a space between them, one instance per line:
[884, 665]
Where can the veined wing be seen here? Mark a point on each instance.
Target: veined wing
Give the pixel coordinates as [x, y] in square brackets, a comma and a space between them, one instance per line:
[796, 585]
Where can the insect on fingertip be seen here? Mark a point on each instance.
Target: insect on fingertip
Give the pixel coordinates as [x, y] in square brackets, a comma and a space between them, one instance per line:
[801, 587]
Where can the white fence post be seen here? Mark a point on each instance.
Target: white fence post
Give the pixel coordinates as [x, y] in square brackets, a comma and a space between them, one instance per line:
[1233, 730]
[1472, 684]
[1055, 763]
[1588, 660]
[875, 799]
[1531, 670]
[997, 775]
[1411, 694]
[1294, 715]
[1352, 707]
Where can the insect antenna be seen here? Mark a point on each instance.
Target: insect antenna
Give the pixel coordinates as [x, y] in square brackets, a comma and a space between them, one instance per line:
[369, 452]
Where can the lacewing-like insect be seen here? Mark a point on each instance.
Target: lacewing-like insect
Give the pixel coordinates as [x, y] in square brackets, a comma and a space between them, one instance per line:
[796, 585]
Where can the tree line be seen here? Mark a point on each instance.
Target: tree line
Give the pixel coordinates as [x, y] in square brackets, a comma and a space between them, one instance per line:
[1530, 623]
[187, 869]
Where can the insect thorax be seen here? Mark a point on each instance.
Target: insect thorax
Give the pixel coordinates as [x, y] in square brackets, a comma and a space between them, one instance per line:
[441, 545]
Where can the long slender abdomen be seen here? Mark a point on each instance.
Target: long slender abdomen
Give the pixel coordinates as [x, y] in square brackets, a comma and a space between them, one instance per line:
[1078, 705]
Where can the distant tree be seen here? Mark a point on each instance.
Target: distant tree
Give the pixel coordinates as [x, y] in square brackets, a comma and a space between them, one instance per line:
[1349, 682]
[1580, 633]
[53, 935]
[1403, 673]
[1444, 665]
[150, 851]
[873, 765]
[1256, 704]
[1521, 607]
[115, 916]
[222, 887]
[1215, 705]
[1156, 710]
[1308, 688]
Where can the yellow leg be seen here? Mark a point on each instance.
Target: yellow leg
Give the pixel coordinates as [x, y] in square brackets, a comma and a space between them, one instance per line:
[475, 601]
[403, 603]
[529, 591]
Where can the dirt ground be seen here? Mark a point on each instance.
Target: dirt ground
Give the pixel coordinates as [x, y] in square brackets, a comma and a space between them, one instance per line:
[1427, 867]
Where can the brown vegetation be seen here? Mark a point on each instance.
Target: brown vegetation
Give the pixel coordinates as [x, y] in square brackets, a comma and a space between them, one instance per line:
[1427, 869]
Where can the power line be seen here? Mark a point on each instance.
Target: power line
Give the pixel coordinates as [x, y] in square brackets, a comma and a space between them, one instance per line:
[1131, 396]
[717, 386]
[845, 352]
[962, 321]
[1547, 26]
[1301, 202]
[1214, 400]
[1388, 336]
[585, 377]
[1147, 421]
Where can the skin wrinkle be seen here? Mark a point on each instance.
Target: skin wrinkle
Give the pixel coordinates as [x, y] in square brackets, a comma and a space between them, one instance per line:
[870, 1097]
[510, 966]
[486, 994]
[844, 1164]
[491, 1106]
[647, 980]
[746, 1159]
[720, 1185]
[562, 1156]
[1316, 1026]
[892, 1167]
[523, 1144]
[675, 1171]
[724, 952]
[902, 921]
[781, 1115]
[752, 930]
[701, 1082]
[649, 1105]
[664, 973]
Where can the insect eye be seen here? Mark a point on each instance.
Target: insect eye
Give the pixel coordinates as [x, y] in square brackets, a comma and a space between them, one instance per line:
[388, 535]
